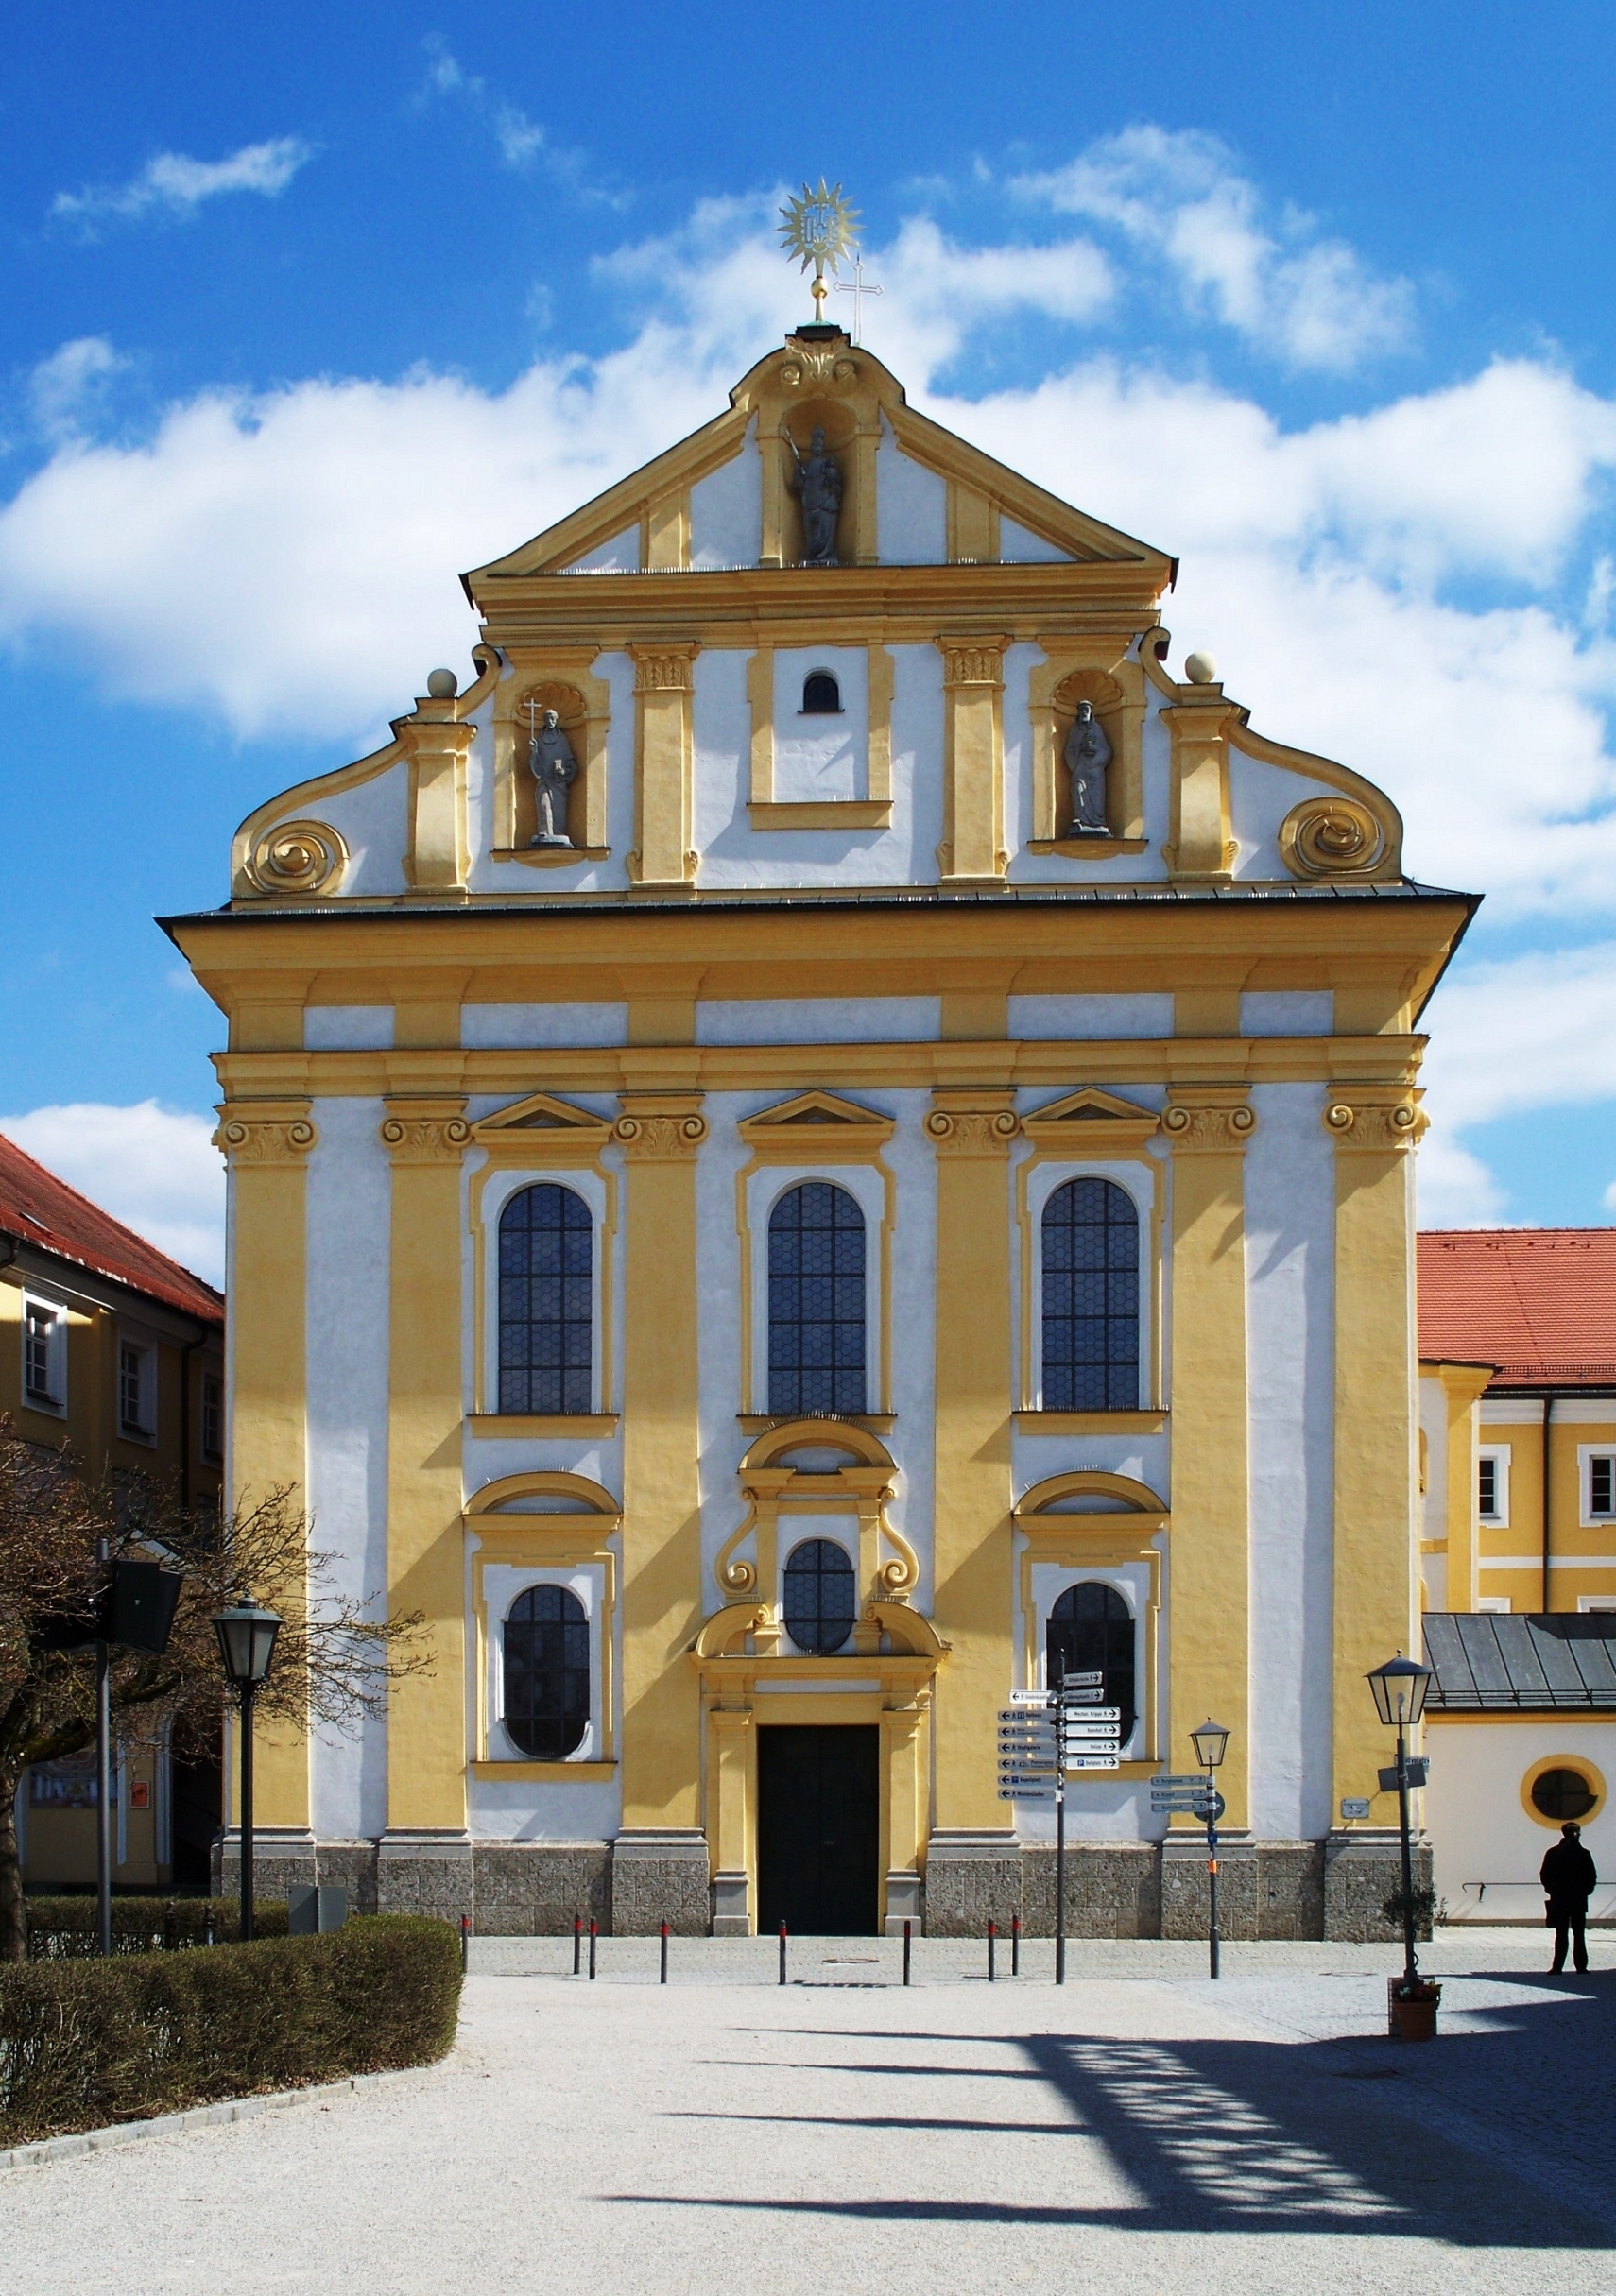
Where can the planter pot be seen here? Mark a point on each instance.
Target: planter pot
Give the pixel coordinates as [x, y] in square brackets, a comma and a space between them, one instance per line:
[1415, 2020]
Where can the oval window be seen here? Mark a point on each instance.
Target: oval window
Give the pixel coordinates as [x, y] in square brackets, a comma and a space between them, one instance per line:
[546, 1673]
[821, 1596]
[1560, 1794]
[821, 695]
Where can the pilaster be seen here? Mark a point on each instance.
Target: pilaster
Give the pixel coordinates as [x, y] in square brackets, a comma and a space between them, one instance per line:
[732, 1822]
[427, 1140]
[266, 1144]
[1200, 841]
[972, 1608]
[664, 753]
[1209, 1127]
[1376, 1578]
[439, 746]
[1463, 1386]
[660, 1135]
[973, 850]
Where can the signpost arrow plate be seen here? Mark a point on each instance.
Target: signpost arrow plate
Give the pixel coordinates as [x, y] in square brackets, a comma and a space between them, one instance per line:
[1093, 1761]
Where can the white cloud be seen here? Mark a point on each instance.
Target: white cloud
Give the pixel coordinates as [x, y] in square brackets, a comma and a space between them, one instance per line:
[1454, 1188]
[70, 387]
[1533, 1031]
[179, 185]
[1313, 302]
[152, 1168]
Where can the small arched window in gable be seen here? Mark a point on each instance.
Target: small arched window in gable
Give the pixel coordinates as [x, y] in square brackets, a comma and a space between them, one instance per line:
[816, 1301]
[546, 1309]
[1090, 1631]
[821, 1596]
[821, 695]
[1090, 1298]
[546, 1673]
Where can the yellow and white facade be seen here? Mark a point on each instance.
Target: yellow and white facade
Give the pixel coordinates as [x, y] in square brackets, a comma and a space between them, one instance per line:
[859, 952]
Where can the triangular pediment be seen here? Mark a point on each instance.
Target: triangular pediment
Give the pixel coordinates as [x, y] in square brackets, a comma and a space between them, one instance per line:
[1091, 1114]
[543, 1118]
[995, 515]
[822, 1116]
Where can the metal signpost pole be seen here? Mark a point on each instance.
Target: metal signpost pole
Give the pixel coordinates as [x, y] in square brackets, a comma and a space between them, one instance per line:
[1212, 1868]
[1410, 1958]
[1060, 1871]
[104, 1795]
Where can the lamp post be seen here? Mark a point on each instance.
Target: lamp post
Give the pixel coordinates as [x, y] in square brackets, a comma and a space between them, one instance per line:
[1400, 1689]
[246, 1634]
[1210, 1742]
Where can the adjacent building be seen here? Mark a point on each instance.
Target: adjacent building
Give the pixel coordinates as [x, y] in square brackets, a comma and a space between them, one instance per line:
[1517, 1556]
[110, 1349]
[830, 1138]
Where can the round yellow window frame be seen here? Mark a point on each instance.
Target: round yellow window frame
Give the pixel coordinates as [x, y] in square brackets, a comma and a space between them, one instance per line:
[1586, 1770]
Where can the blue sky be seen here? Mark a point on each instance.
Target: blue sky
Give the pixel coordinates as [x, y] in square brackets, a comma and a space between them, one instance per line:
[309, 309]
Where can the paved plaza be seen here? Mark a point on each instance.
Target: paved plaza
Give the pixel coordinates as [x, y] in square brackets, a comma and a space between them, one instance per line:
[1139, 2128]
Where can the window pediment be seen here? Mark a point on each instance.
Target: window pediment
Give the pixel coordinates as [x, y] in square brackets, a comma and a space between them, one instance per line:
[1091, 1121]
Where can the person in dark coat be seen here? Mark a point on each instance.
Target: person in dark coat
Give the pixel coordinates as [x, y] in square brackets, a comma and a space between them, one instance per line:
[1568, 1876]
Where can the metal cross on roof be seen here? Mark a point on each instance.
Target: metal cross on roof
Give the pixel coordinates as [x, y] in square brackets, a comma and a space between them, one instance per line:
[858, 287]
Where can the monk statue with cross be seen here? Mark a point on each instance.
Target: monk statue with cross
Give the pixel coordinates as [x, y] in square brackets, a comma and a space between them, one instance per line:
[550, 763]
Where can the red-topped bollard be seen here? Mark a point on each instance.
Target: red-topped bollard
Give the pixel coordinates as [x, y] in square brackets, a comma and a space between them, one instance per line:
[577, 1943]
[992, 1942]
[908, 1927]
[663, 1979]
[1015, 1945]
[591, 1939]
[783, 1953]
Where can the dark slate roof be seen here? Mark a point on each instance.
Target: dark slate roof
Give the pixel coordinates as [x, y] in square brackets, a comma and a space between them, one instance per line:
[1499, 1661]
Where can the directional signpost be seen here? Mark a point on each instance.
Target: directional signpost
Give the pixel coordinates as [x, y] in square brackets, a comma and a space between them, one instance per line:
[1191, 1793]
[1042, 1736]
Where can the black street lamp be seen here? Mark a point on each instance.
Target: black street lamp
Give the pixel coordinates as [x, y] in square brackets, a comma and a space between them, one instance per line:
[246, 1634]
[1210, 1742]
[1400, 1689]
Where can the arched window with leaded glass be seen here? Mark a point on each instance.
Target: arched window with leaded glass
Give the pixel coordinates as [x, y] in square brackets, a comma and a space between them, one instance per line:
[1090, 1298]
[1092, 1632]
[816, 1301]
[546, 1673]
[821, 1596]
[546, 1302]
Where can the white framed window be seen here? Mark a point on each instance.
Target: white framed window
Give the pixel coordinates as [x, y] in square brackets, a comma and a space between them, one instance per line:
[1597, 1473]
[1090, 1230]
[1587, 1603]
[819, 1591]
[44, 1355]
[1492, 1484]
[137, 1391]
[547, 1261]
[1095, 1618]
[1493, 1603]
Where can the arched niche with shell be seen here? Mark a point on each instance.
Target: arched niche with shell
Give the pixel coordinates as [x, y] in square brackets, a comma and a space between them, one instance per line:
[582, 703]
[1114, 688]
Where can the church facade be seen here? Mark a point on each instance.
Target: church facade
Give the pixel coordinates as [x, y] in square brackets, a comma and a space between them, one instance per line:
[827, 1139]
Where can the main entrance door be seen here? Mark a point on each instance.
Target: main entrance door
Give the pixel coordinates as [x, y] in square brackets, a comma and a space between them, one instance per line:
[819, 1831]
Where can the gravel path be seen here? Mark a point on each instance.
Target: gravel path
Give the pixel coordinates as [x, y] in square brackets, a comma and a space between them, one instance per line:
[1139, 2129]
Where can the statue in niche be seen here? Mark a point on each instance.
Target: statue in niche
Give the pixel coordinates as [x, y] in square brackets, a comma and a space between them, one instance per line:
[1087, 754]
[550, 763]
[818, 485]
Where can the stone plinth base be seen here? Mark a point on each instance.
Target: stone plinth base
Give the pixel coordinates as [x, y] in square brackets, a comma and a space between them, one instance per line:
[1145, 1889]
[971, 1878]
[660, 1873]
[533, 1889]
[1113, 1889]
[283, 1858]
[424, 1871]
[1362, 1868]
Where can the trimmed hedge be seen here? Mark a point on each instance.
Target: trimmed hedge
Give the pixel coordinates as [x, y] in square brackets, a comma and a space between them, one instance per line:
[65, 1928]
[86, 2044]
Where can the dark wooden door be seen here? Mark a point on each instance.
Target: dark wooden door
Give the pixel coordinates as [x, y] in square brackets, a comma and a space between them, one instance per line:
[819, 1831]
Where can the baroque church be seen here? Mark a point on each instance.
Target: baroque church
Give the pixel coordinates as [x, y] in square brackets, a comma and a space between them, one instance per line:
[827, 1139]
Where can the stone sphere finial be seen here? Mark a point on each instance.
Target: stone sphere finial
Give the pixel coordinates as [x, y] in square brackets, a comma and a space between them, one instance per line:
[442, 685]
[1201, 670]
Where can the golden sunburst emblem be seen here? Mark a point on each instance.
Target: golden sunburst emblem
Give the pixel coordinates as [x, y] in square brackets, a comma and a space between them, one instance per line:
[820, 228]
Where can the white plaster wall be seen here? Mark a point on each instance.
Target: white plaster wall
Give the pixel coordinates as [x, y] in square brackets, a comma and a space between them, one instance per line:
[374, 822]
[348, 1028]
[817, 758]
[1479, 1831]
[733, 854]
[1020, 546]
[540, 1027]
[619, 554]
[1288, 1012]
[526, 1811]
[1433, 1406]
[1076, 1016]
[1260, 797]
[819, 1020]
[350, 1204]
[911, 507]
[1290, 1227]
[726, 509]
[1020, 662]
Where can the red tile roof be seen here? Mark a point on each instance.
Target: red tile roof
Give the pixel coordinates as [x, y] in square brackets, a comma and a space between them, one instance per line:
[1540, 1303]
[43, 1211]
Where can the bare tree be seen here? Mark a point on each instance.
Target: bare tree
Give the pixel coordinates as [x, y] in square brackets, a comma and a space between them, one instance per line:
[333, 1661]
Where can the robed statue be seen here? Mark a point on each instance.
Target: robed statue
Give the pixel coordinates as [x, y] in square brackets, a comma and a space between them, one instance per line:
[1087, 755]
[817, 482]
[550, 763]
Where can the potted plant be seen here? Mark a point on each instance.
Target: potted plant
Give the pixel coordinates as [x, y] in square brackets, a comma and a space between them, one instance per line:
[1411, 1999]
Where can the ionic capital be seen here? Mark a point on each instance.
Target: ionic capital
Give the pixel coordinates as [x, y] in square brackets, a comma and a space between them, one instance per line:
[975, 1125]
[1376, 1124]
[265, 1132]
[661, 1128]
[1217, 1121]
[425, 1130]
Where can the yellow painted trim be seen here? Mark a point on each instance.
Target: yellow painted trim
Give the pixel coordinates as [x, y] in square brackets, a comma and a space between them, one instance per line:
[495, 1425]
[1092, 1422]
[544, 1542]
[593, 1498]
[1134, 1499]
[1098, 670]
[972, 851]
[1590, 1772]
